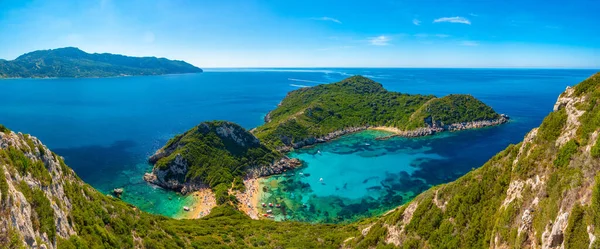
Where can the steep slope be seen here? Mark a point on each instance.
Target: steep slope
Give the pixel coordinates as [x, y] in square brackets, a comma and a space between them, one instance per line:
[73, 63]
[317, 114]
[541, 193]
[43, 204]
[214, 155]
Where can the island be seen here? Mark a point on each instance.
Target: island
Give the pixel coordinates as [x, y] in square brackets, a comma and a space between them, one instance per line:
[220, 159]
[72, 62]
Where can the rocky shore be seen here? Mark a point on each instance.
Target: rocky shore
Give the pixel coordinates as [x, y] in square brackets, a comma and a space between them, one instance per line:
[435, 128]
[330, 136]
[169, 177]
[419, 132]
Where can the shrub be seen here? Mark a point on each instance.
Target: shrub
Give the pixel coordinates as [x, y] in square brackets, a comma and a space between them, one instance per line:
[565, 153]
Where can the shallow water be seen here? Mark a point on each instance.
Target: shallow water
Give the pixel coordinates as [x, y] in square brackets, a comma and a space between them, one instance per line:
[107, 128]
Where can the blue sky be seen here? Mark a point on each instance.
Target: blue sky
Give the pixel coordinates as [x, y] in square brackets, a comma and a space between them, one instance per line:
[309, 33]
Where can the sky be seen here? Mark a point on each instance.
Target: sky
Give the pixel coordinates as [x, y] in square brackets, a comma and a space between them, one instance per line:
[315, 33]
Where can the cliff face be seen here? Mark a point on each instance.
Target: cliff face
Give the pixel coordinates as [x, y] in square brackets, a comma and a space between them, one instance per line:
[33, 200]
[541, 193]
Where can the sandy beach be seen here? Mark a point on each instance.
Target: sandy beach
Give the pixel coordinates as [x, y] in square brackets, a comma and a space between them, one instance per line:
[386, 128]
[204, 201]
[249, 199]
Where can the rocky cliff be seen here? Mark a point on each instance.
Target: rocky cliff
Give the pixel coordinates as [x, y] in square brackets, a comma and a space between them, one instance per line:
[541, 193]
[33, 204]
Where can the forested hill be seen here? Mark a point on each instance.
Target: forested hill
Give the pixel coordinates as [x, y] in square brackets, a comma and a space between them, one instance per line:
[326, 111]
[72, 62]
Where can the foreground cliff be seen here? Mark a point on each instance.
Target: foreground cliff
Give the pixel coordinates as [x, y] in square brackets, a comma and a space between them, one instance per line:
[541, 193]
[320, 113]
[43, 204]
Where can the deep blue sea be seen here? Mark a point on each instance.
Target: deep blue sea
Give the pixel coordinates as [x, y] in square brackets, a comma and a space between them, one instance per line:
[106, 129]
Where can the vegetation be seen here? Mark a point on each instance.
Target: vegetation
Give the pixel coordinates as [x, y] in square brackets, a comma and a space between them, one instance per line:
[72, 62]
[358, 101]
[43, 216]
[565, 153]
[216, 153]
[3, 129]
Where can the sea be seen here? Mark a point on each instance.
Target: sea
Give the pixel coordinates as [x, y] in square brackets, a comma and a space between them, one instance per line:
[106, 128]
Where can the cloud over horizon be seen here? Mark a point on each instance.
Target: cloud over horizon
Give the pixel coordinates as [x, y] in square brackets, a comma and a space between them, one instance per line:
[456, 19]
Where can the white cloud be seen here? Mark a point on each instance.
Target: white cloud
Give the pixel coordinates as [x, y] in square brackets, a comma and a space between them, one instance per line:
[416, 22]
[456, 19]
[381, 40]
[473, 14]
[325, 18]
[469, 43]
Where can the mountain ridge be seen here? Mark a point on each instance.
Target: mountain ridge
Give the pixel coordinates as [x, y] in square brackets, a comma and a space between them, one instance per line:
[71, 62]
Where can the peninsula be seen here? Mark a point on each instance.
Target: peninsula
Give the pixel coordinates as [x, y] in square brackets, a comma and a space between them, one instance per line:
[321, 113]
[72, 62]
[221, 160]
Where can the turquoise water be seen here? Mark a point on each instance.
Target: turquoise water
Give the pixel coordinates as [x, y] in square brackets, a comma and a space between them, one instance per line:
[107, 128]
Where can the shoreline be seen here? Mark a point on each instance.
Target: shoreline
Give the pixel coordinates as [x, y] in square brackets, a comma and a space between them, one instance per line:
[418, 132]
[204, 201]
[249, 200]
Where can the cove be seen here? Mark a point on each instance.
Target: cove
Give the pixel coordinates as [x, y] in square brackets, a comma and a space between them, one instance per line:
[362, 176]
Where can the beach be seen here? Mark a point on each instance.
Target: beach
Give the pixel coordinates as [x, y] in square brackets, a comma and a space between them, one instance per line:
[386, 128]
[204, 201]
[249, 199]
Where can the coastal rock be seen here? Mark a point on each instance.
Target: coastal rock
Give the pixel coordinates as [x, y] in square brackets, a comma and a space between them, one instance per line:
[278, 167]
[118, 192]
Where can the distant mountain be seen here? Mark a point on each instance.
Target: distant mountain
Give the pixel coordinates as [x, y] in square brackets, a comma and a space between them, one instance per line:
[72, 62]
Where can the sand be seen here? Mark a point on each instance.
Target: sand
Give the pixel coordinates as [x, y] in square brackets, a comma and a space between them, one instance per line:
[386, 128]
[249, 199]
[204, 201]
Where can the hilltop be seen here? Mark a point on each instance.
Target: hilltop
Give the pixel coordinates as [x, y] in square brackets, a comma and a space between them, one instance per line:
[214, 155]
[72, 62]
